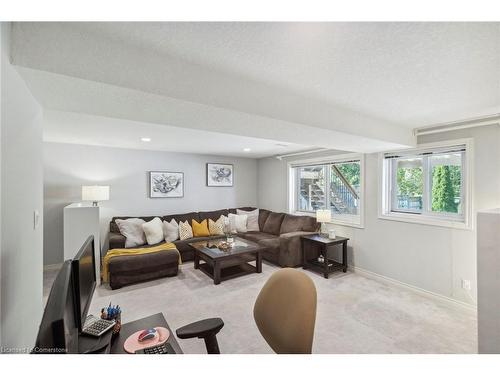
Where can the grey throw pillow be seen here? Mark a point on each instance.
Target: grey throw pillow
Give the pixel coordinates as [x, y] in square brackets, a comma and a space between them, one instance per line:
[171, 230]
[252, 219]
[132, 230]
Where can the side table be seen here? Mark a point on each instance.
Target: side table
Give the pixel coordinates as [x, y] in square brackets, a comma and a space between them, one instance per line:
[315, 241]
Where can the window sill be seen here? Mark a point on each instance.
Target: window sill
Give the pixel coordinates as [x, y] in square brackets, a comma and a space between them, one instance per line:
[425, 220]
[341, 222]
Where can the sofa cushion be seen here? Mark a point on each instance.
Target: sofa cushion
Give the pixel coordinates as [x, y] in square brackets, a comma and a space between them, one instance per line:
[128, 263]
[273, 223]
[294, 223]
[310, 224]
[183, 217]
[214, 215]
[263, 214]
[270, 244]
[256, 236]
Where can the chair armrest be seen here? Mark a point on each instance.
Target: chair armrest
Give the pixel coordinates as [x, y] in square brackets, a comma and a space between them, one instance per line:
[201, 328]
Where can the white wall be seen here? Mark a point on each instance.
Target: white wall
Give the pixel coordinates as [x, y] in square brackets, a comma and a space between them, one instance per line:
[428, 257]
[68, 167]
[21, 194]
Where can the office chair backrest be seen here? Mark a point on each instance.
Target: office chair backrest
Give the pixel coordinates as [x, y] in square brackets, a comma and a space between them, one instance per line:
[285, 311]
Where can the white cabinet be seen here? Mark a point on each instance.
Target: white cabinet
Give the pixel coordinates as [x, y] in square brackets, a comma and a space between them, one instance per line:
[488, 280]
[81, 221]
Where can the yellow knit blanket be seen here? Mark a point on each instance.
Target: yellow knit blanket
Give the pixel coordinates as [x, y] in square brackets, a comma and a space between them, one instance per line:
[167, 246]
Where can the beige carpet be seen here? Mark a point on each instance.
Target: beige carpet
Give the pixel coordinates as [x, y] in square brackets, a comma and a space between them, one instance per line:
[355, 314]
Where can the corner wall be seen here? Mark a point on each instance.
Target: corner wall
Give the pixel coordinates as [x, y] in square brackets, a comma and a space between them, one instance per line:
[21, 194]
[68, 166]
[432, 258]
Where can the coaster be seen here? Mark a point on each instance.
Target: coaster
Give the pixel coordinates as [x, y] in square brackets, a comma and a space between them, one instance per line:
[132, 343]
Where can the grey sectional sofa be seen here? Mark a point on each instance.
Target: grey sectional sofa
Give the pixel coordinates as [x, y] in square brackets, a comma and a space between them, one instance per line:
[279, 232]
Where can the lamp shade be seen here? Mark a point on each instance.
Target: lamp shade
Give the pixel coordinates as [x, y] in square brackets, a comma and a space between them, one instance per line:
[323, 216]
[95, 193]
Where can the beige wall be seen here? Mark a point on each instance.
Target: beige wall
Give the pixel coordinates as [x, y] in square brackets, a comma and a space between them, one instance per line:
[429, 257]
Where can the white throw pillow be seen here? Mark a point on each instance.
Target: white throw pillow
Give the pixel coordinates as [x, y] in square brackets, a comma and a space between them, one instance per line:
[252, 220]
[238, 223]
[185, 230]
[227, 224]
[171, 230]
[154, 231]
[132, 230]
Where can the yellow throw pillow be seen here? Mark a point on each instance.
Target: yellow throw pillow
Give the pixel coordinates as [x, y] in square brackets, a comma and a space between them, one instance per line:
[216, 228]
[185, 231]
[200, 229]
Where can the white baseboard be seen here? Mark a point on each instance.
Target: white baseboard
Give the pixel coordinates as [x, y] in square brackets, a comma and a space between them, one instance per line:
[415, 289]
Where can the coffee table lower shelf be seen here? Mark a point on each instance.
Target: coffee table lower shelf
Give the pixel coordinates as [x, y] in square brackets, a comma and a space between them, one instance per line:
[228, 273]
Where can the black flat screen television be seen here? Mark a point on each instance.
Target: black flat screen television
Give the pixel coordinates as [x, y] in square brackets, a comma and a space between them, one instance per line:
[84, 279]
[58, 332]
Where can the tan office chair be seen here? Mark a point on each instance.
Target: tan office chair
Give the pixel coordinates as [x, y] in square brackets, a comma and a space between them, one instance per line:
[285, 312]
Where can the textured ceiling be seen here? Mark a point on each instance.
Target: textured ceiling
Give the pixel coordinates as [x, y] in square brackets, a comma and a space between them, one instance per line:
[413, 74]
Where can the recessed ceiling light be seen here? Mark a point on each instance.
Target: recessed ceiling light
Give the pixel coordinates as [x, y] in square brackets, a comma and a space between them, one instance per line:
[146, 139]
[246, 149]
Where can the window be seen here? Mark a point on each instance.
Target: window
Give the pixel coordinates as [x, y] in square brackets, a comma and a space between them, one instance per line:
[427, 184]
[333, 184]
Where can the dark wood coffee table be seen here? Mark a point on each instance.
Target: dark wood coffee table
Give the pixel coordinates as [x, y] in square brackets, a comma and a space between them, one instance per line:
[223, 265]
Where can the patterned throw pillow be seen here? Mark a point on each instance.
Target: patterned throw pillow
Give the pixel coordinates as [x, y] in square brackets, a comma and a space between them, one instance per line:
[216, 228]
[185, 231]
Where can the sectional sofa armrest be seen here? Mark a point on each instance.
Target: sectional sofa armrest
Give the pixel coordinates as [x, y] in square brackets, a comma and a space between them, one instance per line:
[290, 254]
[116, 241]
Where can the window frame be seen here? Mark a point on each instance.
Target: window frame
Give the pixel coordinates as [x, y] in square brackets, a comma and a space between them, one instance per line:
[356, 221]
[427, 216]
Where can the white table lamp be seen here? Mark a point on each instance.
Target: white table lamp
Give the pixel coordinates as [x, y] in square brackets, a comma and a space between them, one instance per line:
[95, 193]
[323, 216]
